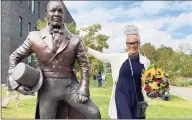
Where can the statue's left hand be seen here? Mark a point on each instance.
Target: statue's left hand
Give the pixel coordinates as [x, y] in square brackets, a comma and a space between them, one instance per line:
[82, 98]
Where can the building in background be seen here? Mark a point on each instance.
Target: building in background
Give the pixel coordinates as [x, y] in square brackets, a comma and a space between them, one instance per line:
[19, 17]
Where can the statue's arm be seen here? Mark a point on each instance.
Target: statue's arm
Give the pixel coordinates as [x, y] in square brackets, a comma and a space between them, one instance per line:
[20, 53]
[84, 64]
[100, 56]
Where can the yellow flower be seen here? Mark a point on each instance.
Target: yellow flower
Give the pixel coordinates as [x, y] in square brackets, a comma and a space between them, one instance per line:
[154, 85]
[148, 75]
[153, 71]
[159, 73]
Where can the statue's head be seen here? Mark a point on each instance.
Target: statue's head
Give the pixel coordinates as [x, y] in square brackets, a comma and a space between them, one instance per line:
[55, 13]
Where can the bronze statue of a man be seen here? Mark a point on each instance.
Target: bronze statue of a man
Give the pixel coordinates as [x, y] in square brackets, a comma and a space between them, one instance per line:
[57, 50]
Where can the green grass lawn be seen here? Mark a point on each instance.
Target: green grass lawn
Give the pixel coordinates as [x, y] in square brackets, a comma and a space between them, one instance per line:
[176, 108]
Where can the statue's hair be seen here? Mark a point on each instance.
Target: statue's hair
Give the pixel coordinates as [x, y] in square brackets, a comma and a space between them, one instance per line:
[131, 30]
[61, 1]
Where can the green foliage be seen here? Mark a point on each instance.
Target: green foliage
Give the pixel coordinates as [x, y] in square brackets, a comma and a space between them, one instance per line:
[183, 83]
[173, 63]
[97, 41]
[162, 57]
[71, 27]
[186, 65]
[148, 50]
[41, 24]
[92, 39]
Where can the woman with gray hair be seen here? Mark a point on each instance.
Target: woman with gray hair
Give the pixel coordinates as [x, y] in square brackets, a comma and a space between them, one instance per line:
[126, 73]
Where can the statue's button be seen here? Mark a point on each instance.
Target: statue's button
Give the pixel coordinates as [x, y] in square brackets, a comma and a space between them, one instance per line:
[53, 66]
[59, 66]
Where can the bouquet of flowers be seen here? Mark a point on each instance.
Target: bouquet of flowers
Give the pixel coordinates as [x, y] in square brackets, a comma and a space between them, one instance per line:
[155, 82]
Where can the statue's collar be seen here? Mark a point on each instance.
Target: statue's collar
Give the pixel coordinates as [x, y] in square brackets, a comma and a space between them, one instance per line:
[46, 31]
[54, 30]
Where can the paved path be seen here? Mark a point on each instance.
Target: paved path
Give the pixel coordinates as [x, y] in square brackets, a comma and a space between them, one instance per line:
[182, 92]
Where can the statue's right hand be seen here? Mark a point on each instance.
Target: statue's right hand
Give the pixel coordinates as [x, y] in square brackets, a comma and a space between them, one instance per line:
[21, 89]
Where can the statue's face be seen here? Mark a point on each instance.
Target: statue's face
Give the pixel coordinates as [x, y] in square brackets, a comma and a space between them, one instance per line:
[55, 14]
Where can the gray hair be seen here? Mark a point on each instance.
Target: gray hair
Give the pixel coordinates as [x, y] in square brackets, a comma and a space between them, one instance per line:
[131, 30]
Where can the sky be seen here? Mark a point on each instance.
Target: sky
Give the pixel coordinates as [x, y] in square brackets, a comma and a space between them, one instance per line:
[166, 23]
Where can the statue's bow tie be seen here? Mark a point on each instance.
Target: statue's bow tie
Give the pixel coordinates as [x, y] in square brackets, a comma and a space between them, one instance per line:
[56, 31]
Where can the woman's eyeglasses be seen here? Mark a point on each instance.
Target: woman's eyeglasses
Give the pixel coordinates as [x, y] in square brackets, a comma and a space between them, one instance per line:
[135, 44]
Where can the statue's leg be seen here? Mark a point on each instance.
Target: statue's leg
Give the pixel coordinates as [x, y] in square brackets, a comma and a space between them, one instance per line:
[47, 107]
[62, 110]
[47, 100]
[89, 109]
[75, 114]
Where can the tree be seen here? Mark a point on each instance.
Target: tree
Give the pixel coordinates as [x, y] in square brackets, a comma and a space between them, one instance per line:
[41, 24]
[96, 41]
[186, 67]
[71, 27]
[92, 39]
[185, 60]
[162, 57]
[148, 50]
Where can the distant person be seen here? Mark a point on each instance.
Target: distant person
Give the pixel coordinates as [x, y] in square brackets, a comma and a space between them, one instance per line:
[166, 78]
[166, 96]
[99, 78]
[94, 79]
[9, 94]
[104, 80]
